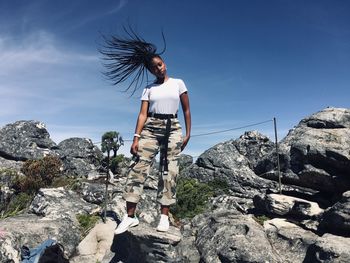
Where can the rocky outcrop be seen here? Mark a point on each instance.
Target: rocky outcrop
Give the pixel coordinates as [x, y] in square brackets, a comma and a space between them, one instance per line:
[315, 154]
[185, 160]
[329, 248]
[25, 140]
[290, 241]
[227, 161]
[80, 156]
[229, 236]
[56, 203]
[251, 222]
[283, 205]
[31, 230]
[144, 244]
[337, 218]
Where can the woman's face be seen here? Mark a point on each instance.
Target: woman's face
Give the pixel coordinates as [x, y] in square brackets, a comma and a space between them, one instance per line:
[158, 68]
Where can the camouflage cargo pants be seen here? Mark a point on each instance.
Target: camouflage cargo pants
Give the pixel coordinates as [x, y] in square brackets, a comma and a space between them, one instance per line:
[149, 145]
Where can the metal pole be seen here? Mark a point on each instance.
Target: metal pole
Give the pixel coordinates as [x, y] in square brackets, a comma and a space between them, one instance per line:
[106, 194]
[277, 155]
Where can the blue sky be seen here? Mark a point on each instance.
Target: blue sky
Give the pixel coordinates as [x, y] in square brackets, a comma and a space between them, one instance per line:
[243, 62]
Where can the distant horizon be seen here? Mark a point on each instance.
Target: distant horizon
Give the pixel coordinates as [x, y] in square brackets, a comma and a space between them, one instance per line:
[125, 151]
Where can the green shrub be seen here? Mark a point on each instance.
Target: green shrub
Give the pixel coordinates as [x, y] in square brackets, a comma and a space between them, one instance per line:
[116, 162]
[86, 222]
[17, 204]
[38, 173]
[219, 186]
[192, 198]
[261, 219]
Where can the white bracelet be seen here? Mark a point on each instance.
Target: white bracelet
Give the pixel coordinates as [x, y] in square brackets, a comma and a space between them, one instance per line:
[137, 135]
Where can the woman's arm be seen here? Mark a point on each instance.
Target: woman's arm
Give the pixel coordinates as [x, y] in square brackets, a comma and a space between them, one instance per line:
[139, 126]
[185, 103]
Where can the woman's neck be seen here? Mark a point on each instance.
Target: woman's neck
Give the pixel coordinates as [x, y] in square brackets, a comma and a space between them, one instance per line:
[162, 80]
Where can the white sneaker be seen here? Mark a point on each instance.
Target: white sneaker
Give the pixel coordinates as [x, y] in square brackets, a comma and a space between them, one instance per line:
[126, 223]
[163, 225]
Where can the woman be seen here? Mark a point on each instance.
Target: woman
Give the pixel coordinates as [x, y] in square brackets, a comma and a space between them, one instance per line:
[157, 126]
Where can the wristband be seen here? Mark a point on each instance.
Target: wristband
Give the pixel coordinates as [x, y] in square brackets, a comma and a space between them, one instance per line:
[137, 135]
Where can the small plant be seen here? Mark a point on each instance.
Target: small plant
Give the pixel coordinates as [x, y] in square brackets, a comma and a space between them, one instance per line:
[219, 186]
[38, 173]
[261, 219]
[86, 222]
[17, 204]
[116, 162]
[192, 198]
[8, 172]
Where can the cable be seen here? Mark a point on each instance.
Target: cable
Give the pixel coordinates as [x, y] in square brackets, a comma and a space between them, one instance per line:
[232, 129]
[215, 132]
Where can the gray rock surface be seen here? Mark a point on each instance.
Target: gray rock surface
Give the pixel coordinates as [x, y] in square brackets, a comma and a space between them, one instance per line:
[185, 160]
[329, 248]
[24, 140]
[57, 203]
[80, 156]
[316, 153]
[290, 241]
[224, 162]
[337, 218]
[32, 230]
[228, 236]
[283, 205]
[144, 244]
[254, 145]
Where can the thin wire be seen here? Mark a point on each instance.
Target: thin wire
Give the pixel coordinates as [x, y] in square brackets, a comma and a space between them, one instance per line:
[215, 132]
[232, 129]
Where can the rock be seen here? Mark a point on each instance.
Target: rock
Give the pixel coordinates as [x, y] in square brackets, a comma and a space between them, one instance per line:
[290, 241]
[185, 160]
[224, 162]
[254, 145]
[228, 236]
[58, 203]
[9, 165]
[25, 140]
[329, 248]
[9, 250]
[315, 154]
[336, 219]
[144, 244]
[31, 230]
[288, 206]
[80, 156]
[96, 244]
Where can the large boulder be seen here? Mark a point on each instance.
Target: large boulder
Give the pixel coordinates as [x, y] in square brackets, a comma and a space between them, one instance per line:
[31, 230]
[337, 218]
[57, 203]
[225, 162]
[315, 154]
[329, 248]
[283, 205]
[290, 241]
[144, 244]
[25, 140]
[229, 236]
[80, 156]
[254, 145]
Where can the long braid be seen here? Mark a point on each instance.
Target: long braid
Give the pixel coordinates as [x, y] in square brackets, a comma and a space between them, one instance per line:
[128, 57]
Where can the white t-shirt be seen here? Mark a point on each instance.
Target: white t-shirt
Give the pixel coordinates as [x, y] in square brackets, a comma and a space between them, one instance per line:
[164, 98]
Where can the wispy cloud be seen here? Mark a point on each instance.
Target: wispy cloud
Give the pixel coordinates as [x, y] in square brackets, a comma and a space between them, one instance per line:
[36, 49]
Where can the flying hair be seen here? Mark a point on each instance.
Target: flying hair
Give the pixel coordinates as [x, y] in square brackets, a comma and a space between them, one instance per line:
[128, 57]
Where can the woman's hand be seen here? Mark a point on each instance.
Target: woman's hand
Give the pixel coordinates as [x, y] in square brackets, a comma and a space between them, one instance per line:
[185, 141]
[135, 146]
